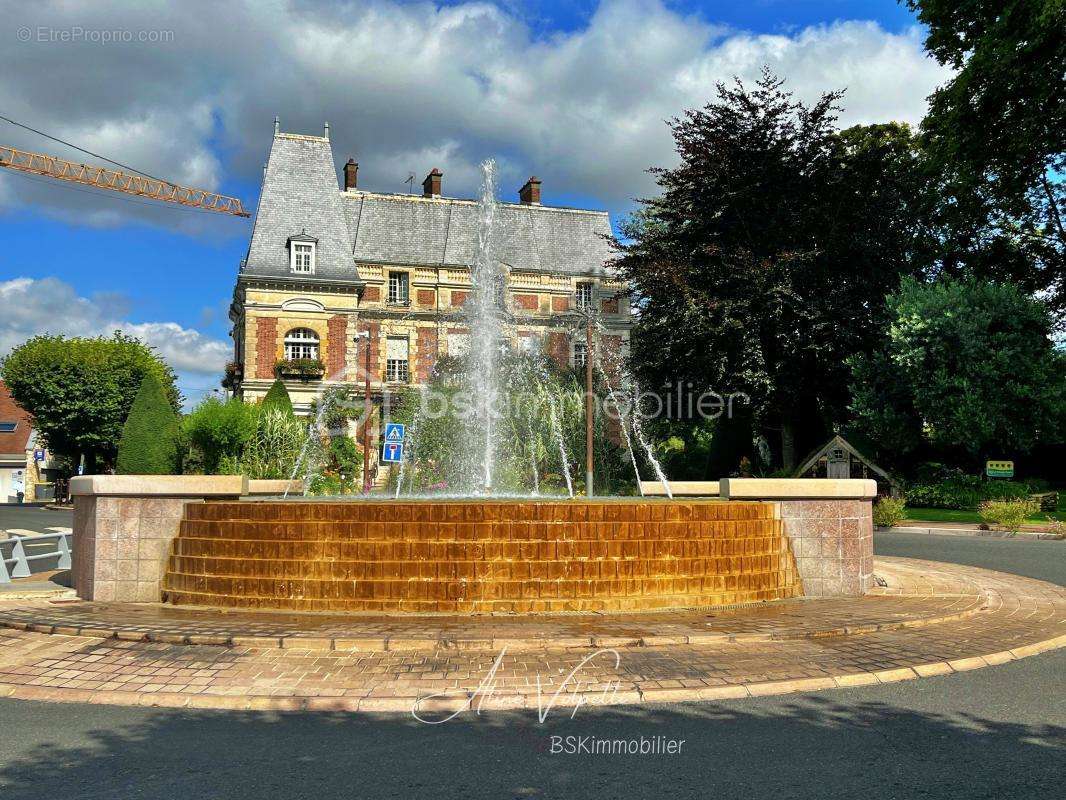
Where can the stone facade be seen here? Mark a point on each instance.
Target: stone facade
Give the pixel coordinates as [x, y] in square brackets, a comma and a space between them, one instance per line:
[124, 526]
[833, 544]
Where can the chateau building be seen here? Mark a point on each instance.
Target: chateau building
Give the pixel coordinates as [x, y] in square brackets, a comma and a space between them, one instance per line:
[328, 264]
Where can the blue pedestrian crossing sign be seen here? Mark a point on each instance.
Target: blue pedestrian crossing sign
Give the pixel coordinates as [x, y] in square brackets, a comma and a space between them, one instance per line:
[392, 444]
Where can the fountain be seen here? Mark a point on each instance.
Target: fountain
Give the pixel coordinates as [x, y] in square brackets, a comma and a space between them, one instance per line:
[484, 551]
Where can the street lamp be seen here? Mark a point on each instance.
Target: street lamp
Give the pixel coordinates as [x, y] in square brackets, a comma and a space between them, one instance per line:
[366, 409]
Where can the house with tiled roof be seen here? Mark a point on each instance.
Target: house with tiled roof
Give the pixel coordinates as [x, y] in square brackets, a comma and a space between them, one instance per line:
[19, 470]
[330, 261]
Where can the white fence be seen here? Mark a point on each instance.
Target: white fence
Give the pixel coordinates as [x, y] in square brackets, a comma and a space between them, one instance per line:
[18, 553]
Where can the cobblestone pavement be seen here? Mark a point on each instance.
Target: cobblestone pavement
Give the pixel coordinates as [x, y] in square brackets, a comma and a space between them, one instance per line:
[926, 619]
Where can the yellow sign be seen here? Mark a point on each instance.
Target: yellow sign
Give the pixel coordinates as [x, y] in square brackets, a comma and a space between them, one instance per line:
[999, 469]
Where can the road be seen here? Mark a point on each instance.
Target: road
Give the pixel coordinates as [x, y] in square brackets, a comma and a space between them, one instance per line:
[998, 732]
[33, 518]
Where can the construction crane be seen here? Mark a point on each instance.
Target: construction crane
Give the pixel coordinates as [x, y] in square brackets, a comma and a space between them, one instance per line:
[118, 181]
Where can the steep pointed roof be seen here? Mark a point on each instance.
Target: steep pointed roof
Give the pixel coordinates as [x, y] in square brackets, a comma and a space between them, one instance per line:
[300, 196]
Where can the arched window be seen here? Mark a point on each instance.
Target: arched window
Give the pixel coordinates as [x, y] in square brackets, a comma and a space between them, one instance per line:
[301, 343]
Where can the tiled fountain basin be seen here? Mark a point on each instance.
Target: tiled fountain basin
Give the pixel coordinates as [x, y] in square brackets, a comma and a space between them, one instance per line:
[479, 556]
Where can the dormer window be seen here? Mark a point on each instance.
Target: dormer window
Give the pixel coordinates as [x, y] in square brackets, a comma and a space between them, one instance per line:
[302, 254]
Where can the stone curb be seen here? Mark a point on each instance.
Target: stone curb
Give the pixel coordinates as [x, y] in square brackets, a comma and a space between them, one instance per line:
[462, 700]
[1020, 535]
[407, 644]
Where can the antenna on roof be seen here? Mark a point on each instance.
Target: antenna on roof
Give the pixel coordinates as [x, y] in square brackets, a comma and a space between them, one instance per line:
[410, 183]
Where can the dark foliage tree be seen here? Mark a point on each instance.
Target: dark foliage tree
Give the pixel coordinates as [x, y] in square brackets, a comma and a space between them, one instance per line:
[967, 368]
[996, 134]
[764, 263]
[150, 436]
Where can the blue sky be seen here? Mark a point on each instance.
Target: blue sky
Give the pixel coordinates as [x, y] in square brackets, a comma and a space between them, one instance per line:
[574, 91]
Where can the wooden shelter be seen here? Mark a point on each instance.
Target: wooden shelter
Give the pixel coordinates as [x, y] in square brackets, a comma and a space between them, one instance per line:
[839, 459]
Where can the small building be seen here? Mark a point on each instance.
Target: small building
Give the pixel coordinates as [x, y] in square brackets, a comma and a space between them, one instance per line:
[23, 464]
[837, 458]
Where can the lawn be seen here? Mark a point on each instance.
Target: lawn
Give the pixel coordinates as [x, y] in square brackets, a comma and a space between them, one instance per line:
[947, 515]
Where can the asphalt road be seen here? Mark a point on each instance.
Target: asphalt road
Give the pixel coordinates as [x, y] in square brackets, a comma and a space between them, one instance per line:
[998, 733]
[33, 518]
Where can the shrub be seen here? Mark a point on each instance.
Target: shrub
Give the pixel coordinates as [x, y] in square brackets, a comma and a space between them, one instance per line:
[218, 429]
[963, 492]
[277, 397]
[888, 511]
[1010, 514]
[149, 443]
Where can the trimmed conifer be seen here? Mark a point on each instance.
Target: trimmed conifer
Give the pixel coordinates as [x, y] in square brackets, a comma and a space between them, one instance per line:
[278, 398]
[149, 443]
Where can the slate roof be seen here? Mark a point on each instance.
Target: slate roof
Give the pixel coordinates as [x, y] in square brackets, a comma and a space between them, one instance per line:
[301, 195]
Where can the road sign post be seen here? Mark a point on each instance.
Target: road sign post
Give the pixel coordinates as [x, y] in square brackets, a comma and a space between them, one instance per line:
[392, 443]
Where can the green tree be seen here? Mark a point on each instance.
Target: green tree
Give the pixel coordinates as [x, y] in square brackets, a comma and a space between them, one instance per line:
[967, 366]
[764, 263]
[221, 429]
[149, 443]
[80, 390]
[996, 133]
[277, 397]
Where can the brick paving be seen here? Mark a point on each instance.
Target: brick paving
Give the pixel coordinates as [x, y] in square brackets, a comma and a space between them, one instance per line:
[924, 619]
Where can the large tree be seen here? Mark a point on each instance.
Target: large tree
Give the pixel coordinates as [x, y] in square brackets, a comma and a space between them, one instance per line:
[80, 391]
[996, 134]
[764, 262]
[967, 368]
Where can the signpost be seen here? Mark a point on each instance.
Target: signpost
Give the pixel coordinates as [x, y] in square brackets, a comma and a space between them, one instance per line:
[999, 469]
[38, 456]
[392, 444]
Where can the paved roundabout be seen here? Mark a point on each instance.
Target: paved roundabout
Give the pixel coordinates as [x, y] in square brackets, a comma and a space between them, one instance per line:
[924, 619]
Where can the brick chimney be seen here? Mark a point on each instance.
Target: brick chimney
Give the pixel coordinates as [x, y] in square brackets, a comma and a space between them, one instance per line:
[530, 193]
[351, 169]
[431, 185]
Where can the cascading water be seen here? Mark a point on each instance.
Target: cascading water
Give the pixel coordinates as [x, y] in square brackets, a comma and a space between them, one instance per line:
[313, 440]
[485, 312]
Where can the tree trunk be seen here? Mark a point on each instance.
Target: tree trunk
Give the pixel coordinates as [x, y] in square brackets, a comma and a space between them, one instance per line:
[788, 445]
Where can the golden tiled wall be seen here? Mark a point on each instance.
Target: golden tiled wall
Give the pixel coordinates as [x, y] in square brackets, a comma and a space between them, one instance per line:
[492, 556]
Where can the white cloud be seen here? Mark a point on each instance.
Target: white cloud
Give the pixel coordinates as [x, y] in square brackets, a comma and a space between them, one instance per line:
[407, 87]
[51, 306]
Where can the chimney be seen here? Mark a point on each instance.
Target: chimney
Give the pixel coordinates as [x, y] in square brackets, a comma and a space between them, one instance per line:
[351, 169]
[431, 185]
[530, 193]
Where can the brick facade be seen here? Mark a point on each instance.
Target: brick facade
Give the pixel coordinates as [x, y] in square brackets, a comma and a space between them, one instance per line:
[559, 349]
[375, 350]
[266, 346]
[458, 298]
[560, 304]
[426, 297]
[425, 354]
[609, 306]
[526, 302]
[335, 346]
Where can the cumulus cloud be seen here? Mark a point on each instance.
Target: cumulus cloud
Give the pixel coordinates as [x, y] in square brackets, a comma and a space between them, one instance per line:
[51, 306]
[407, 87]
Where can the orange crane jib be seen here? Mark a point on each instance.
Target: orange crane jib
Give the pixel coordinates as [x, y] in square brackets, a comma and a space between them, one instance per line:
[104, 178]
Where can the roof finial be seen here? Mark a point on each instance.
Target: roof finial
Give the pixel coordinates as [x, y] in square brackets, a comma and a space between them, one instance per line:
[277, 125]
